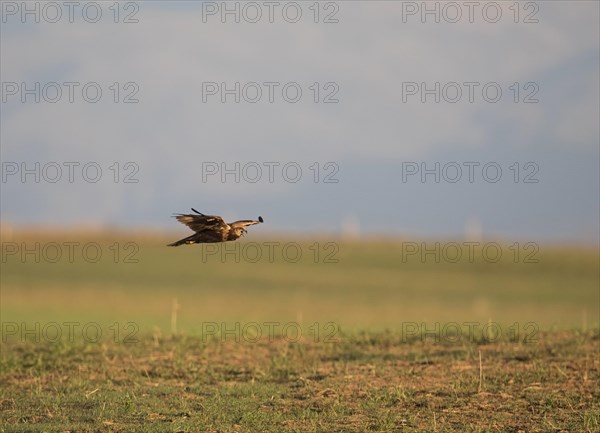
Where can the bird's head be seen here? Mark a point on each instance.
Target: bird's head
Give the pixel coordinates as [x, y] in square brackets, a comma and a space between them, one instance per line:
[240, 231]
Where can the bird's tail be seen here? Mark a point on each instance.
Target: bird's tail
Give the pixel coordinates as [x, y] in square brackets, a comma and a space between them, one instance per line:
[188, 240]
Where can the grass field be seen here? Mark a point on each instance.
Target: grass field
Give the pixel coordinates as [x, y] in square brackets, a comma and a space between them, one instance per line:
[351, 336]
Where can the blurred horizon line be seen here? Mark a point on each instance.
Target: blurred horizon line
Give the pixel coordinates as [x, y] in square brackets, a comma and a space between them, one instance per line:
[10, 231]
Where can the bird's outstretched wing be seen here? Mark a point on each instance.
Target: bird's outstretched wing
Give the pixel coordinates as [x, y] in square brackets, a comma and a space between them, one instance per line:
[244, 223]
[201, 222]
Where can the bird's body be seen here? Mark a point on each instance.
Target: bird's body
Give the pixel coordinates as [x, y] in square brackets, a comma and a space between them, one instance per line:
[210, 228]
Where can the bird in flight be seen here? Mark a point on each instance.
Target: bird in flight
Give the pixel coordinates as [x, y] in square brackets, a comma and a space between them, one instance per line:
[210, 228]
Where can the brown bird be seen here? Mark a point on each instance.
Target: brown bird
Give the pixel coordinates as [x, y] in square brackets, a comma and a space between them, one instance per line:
[210, 228]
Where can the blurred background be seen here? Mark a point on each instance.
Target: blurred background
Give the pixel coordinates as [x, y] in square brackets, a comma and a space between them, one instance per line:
[370, 116]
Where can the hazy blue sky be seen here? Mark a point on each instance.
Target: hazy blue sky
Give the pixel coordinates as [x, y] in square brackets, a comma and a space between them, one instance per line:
[376, 60]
